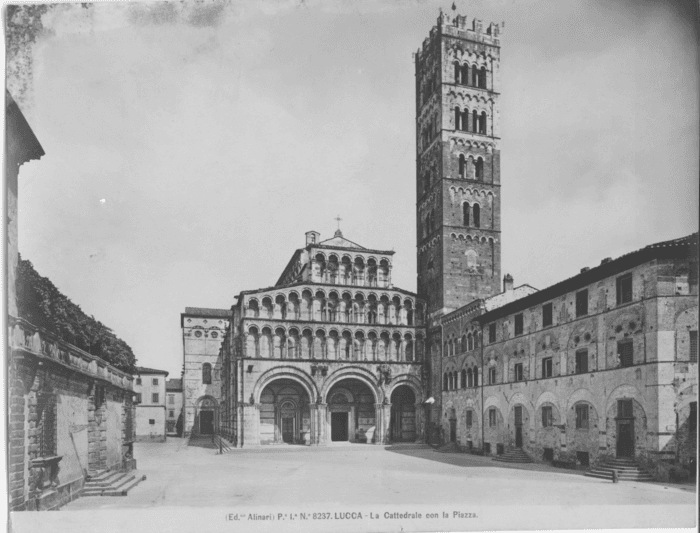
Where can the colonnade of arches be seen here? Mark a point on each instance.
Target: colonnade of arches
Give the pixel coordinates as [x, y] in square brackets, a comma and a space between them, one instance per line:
[345, 270]
[280, 343]
[470, 75]
[337, 306]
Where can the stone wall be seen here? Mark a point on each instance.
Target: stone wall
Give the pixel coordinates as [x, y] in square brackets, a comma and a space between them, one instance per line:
[66, 418]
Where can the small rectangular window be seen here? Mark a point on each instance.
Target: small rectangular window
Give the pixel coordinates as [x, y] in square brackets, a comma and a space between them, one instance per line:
[171, 414]
[547, 416]
[546, 315]
[492, 333]
[694, 346]
[547, 367]
[519, 372]
[492, 418]
[625, 353]
[469, 419]
[582, 302]
[155, 381]
[152, 421]
[138, 398]
[519, 324]
[171, 398]
[582, 416]
[624, 289]
[492, 375]
[625, 409]
[138, 381]
[582, 361]
[155, 398]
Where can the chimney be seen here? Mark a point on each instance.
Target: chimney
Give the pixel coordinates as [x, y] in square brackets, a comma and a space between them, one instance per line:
[585, 269]
[507, 283]
[606, 260]
[312, 237]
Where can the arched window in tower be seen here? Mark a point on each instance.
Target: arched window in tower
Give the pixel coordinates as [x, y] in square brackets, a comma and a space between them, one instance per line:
[470, 378]
[465, 74]
[479, 169]
[462, 166]
[463, 379]
[476, 216]
[482, 123]
[465, 120]
[458, 116]
[457, 72]
[465, 213]
[475, 76]
[470, 342]
[482, 78]
[475, 121]
[206, 374]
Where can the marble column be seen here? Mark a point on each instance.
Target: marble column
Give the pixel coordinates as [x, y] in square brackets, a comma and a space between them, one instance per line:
[378, 419]
[319, 424]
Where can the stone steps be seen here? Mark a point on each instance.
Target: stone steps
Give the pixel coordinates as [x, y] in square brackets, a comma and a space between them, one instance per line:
[115, 484]
[516, 455]
[627, 469]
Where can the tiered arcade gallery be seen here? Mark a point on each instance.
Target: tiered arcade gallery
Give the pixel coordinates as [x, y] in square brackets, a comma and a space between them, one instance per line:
[333, 353]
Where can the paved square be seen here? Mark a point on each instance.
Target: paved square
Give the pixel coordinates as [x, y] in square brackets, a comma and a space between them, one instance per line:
[188, 486]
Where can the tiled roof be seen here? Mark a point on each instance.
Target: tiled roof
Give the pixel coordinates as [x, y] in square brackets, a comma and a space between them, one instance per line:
[206, 311]
[174, 385]
[146, 370]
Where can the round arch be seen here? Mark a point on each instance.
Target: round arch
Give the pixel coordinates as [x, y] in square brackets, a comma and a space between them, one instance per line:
[411, 381]
[285, 372]
[351, 372]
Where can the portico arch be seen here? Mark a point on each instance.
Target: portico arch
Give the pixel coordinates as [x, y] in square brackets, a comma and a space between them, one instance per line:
[288, 372]
[352, 372]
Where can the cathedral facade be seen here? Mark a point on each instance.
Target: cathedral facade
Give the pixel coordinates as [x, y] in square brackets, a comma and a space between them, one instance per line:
[598, 367]
[332, 352]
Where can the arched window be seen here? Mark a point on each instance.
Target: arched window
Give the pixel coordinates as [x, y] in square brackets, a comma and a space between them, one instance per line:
[465, 74]
[458, 116]
[464, 379]
[475, 121]
[206, 374]
[444, 382]
[479, 169]
[464, 343]
[470, 378]
[477, 216]
[482, 78]
[476, 377]
[465, 213]
[476, 340]
[465, 120]
[470, 342]
[462, 166]
[482, 123]
[450, 381]
[457, 72]
[475, 76]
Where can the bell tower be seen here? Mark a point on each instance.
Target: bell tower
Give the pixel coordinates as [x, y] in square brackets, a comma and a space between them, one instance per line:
[458, 181]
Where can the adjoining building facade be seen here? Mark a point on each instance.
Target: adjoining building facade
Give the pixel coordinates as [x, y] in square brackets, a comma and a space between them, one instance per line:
[203, 331]
[173, 404]
[149, 387]
[332, 353]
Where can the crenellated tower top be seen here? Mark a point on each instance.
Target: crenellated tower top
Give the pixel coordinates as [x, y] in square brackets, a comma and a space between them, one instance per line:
[462, 27]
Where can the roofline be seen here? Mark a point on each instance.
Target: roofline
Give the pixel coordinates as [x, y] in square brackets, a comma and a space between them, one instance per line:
[200, 315]
[361, 250]
[151, 371]
[296, 254]
[662, 250]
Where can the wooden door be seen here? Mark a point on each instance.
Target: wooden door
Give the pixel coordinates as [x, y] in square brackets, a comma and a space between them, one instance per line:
[625, 438]
[288, 429]
[206, 422]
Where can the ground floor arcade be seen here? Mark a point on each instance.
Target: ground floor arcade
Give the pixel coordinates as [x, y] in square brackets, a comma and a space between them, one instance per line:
[286, 407]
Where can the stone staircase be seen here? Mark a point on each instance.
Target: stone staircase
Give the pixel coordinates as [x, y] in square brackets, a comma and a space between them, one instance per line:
[221, 444]
[628, 470]
[514, 455]
[111, 483]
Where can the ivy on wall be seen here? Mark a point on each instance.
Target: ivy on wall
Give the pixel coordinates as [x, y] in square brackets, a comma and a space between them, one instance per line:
[42, 304]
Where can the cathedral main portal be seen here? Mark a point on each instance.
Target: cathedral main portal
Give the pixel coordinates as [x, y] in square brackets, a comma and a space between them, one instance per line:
[351, 412]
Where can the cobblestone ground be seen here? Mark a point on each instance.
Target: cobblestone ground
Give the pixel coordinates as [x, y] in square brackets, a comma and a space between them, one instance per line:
[181, 476]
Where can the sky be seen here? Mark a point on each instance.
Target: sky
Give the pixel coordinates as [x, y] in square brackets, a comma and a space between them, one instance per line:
[190, 145]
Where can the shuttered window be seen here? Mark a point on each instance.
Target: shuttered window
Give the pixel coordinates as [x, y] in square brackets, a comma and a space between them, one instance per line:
[694, 346]
[624, 289]
[546, 315]
[546, 416]
[582, 416]
[625, 353]
[582, 302]
[624, 409]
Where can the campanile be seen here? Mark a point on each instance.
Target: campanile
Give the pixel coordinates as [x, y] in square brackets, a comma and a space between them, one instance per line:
[458, 175]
